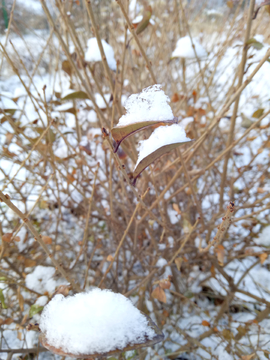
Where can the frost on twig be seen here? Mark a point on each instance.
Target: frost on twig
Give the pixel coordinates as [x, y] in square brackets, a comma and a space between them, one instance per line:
[93, 324]
[148, 108]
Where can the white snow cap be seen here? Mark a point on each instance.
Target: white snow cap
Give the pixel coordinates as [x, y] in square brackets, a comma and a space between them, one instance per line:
[93, 53]
[98, 321]
[163, 135]
[184, 48]
[149, 105]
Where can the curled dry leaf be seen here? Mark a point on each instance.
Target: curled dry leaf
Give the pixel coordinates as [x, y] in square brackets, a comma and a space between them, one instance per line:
[7, 237]
[220, 250]
[247, 357]
[47, 239]
[263, 257]
[62, 289]
[178, 262]
[110, 258]
[159, 294]
[176, 208]
[205, 323]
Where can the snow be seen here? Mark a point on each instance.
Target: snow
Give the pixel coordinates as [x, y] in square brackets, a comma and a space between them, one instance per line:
[93, 53]
[184, 49]
[41, 279]
[161, 262]
[149, 105]
[264, 237]
[98, 321]
[6, 103]
[163, 135]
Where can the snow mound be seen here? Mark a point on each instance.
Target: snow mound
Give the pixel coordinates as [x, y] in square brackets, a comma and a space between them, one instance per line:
[163, 135]
[149, 105]
[93, 53]
[98, 321]
[264, 237]
[184, 49]
[41, 279]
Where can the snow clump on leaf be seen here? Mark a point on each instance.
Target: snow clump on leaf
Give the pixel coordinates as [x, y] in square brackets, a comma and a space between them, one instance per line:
[95, 322]
[93, 53]
[149, 105]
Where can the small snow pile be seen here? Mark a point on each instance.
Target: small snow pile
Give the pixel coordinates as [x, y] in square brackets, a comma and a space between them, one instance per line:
[161, 262]
[264, 237]
[149, 105]
[98, 321]
[184, 49]
[93, 53]
[41, 279]
[163, 135]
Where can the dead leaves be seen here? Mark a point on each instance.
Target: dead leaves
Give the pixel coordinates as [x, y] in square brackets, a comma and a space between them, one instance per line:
[159, 293]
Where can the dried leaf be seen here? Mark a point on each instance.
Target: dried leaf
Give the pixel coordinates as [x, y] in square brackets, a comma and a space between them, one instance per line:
[261, 190]
[206, 323]
[17, 239]
[8, 321]
[175, 98]
[213, 271]
[258, 113]
[255, 44]
[29, 263]
[230, 4]
[176, 208]
[47, 239]
[7, 237]
[247, 357]
[142, 25]
[9, 137]
[263, 257]
[109, 258]
[165, 284]
[178, 261]
[19, 335]
[220, 250]
[76, 95]
[159, 294]
[70, 178]
[145, 162]
[67, 67]
[119, 133]
[227, 334]
[63, 290]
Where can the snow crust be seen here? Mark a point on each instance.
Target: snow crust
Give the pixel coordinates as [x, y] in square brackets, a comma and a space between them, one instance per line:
[93, 53]
[41, 279]
[98, 321]
[163, 135]
[150, 104]
[184, 49]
